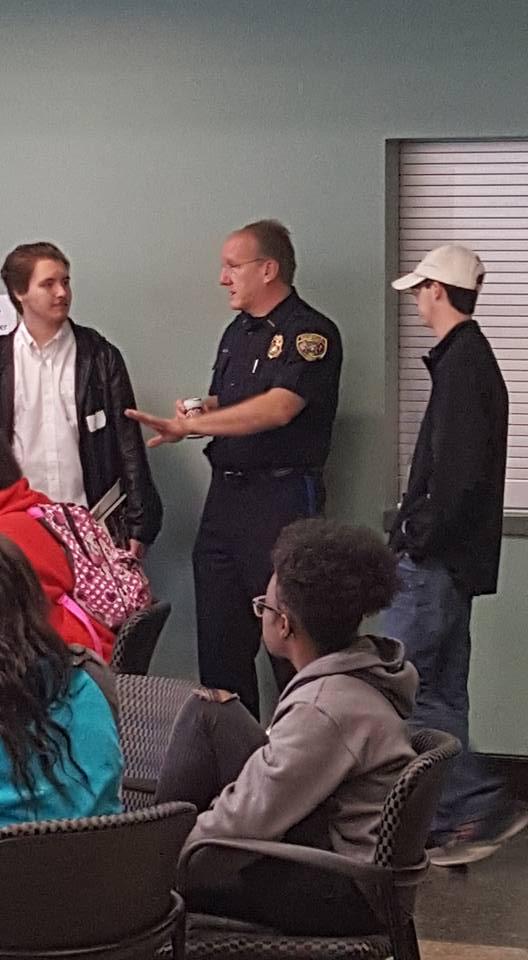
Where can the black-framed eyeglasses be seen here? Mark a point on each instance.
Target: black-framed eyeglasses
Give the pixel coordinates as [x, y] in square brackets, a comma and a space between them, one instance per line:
[259, 605]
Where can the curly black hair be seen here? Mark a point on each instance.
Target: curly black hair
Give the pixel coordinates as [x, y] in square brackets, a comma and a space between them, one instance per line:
[330, 576]
[35, 670]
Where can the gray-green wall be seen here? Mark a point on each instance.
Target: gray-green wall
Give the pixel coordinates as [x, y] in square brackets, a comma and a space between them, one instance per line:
[136, 135]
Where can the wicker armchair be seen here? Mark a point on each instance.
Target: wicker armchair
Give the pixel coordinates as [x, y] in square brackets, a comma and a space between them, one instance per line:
[399, 865]
[137, 638]
[93, 888]
[148, 707]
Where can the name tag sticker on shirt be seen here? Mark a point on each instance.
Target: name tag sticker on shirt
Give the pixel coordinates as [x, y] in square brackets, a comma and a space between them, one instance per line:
[311, 346]
[96, 421]
[8, 315]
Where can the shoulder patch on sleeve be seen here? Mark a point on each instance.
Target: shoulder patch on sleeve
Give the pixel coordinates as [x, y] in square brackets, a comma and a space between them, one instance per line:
[311, 346]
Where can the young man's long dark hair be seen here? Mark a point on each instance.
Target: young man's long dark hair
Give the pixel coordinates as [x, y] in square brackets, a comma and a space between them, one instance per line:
[34, 673]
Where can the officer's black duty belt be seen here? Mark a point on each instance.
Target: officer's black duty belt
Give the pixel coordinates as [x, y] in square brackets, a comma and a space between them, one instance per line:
[277, 473]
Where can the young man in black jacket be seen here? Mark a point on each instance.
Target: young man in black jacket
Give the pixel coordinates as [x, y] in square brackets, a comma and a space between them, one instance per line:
[63, 390]
[448, 536]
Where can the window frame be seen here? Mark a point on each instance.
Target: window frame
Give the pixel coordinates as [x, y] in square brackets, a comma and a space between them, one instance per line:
[515, 517]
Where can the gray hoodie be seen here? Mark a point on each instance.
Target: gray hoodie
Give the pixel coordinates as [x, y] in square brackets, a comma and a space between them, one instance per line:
[337, 742]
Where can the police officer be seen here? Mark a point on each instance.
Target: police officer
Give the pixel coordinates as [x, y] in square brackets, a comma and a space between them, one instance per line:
[270, 412]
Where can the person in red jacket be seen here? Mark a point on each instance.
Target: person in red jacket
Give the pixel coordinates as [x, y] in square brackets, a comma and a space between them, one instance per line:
[47, 557]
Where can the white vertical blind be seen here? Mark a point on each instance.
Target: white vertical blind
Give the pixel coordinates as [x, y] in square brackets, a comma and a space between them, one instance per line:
[474, 193]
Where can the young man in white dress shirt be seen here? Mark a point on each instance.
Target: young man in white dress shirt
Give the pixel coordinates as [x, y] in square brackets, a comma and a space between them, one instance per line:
[63, 390]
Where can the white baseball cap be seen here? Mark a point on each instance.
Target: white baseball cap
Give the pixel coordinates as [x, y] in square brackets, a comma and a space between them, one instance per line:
[451, 264]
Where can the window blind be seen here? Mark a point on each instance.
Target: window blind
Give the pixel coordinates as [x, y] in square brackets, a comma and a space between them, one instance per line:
[474, 193]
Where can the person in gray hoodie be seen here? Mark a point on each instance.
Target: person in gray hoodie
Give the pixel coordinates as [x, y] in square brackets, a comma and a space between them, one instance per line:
[337, 741]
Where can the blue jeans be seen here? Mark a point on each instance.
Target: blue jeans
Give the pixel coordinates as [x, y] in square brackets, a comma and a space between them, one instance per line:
[431, 615]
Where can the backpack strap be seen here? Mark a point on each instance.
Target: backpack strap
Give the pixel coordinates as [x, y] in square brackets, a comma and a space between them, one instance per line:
[77, 611]
[98, 670]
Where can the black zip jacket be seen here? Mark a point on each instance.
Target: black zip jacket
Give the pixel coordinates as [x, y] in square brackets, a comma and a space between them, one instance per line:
[452, 510]
[115, 451]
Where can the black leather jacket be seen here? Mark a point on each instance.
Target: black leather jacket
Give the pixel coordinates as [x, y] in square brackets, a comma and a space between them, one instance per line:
[452, 510]
[116, 450]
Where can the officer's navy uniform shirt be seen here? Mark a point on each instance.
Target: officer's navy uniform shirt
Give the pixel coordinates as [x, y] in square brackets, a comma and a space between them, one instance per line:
[257, 354]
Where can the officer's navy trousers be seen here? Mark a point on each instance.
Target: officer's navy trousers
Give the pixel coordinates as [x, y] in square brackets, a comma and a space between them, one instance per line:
[241, 521]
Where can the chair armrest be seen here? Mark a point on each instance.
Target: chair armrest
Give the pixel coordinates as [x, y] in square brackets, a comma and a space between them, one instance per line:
[294, 853]
[141, 784]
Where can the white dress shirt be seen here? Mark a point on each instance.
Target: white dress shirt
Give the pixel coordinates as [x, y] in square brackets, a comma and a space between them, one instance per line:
[46, 434]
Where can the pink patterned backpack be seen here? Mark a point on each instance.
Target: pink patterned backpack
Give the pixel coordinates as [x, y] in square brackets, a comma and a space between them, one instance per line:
[109, 583]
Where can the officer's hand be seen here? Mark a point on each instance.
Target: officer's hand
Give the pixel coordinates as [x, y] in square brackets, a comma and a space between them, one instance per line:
[166, 430]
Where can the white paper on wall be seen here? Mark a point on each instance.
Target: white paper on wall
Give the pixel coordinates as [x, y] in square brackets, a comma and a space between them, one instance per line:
[8, 315]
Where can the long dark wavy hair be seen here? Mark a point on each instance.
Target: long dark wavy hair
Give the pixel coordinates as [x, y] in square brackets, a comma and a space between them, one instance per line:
[35, 670]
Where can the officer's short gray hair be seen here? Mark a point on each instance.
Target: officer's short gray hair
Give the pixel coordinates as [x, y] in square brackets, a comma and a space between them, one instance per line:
[274, 241]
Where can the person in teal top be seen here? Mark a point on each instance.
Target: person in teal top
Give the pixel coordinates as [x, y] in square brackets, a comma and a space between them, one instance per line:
[59, 744]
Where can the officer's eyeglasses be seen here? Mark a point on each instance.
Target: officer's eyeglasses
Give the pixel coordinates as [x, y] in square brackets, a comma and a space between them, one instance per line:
[230, 267]
[259, 605]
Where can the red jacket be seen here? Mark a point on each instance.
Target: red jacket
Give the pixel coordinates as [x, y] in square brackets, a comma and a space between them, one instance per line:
[49, 562]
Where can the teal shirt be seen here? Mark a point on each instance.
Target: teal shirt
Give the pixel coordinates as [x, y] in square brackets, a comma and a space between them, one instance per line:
[86, 714]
